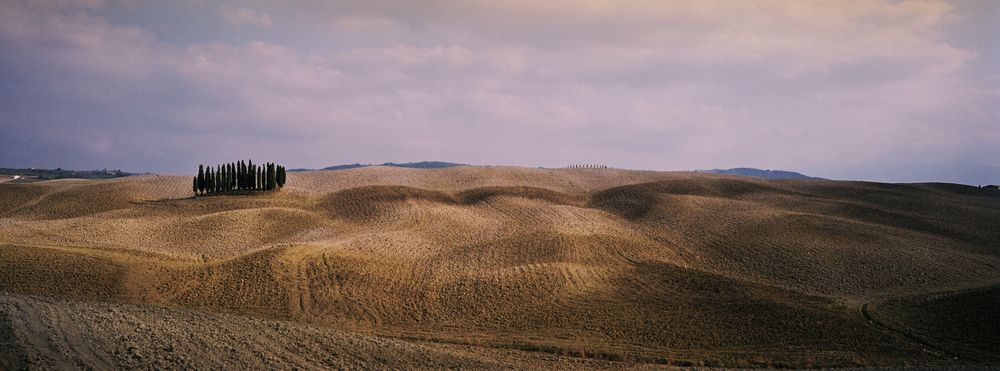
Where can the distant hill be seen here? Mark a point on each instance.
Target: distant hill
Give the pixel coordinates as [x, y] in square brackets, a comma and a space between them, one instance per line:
[60, 173]
[345, 167]
[413, 165]
[424, 164]
[760, 173]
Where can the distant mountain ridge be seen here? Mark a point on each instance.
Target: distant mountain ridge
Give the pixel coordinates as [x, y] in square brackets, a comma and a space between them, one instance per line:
[760, 173]
[412, 165]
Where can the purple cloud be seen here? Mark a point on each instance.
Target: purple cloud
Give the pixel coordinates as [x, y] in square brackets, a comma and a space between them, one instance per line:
[877, 90]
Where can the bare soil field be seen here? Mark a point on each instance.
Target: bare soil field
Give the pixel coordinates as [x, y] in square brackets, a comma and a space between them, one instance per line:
[499, 267]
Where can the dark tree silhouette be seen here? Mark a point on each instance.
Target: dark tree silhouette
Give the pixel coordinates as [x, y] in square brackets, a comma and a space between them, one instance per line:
[201, 179]
[239, 175]
[270, 176]
[209, 180]
[241, 182]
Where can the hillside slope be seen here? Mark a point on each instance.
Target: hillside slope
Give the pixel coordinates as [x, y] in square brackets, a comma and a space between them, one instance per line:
[647, 266]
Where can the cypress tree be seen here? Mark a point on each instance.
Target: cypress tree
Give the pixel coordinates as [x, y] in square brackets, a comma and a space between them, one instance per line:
[281, 176]
[270, 177]
[260, 178]
[201, 179]
[225, 178]
[218, 177]
[194, 185]
[251, 175]
[209, 181]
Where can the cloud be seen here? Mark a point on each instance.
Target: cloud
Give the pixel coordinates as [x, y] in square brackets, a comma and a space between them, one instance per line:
[828, 88]
[246, 16]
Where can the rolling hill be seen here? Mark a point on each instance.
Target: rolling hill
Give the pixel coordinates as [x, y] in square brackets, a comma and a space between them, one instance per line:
[760, 173]
[499, 267]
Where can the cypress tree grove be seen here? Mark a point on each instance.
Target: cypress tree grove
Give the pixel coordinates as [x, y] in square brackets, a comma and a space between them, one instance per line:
[238, 175]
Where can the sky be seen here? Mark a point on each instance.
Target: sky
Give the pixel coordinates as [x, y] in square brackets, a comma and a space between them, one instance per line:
[897, 91]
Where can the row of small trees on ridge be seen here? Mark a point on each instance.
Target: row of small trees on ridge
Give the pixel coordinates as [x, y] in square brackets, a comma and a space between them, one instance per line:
[238, 176]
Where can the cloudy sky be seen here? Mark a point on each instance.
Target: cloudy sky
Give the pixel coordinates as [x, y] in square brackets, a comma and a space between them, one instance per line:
[878, 90]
